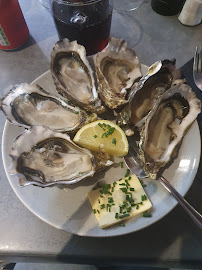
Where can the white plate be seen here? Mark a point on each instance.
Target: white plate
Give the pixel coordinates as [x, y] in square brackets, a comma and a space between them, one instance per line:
[69, 209]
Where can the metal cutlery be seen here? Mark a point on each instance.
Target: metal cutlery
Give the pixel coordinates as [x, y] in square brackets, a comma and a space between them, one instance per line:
[197, 67]
[133, 164]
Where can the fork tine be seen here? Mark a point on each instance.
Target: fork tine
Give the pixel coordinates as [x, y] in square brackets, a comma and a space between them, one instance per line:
[199, 60]
[195, 67]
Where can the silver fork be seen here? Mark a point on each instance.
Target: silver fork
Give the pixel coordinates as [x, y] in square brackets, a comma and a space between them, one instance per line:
[197, 68]
[133, 164]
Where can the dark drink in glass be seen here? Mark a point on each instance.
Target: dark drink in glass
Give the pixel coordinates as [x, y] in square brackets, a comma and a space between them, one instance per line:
[88, 22]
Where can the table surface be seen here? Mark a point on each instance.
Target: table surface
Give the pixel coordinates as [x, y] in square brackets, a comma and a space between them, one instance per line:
[174, 240]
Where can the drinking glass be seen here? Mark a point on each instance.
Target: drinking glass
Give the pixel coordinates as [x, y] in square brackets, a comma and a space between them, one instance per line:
[87, 21]
[128, 5]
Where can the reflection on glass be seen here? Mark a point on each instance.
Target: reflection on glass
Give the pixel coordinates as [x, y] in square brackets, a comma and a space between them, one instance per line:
[128, 5]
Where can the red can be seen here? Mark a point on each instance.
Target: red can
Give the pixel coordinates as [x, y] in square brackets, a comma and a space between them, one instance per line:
[13, 28]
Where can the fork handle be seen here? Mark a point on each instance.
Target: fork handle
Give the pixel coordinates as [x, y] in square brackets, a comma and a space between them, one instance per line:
[196, 217]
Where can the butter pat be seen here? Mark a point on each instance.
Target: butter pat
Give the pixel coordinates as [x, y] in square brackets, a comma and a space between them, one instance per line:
[119, 201]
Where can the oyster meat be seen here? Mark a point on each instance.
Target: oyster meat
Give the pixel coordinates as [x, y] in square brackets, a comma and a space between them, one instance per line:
[134, 114]
[73, 76]
[29, 105]
[165, 126]
[117, 68]
[48, 158]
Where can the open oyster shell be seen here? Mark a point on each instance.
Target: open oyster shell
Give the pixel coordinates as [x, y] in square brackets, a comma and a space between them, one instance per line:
[73, 75]
[29, 105]
[134, 113]
[117, 67]
[165, 126]
[49, 158]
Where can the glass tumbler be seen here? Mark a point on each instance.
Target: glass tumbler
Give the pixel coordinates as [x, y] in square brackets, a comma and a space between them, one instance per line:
[87, 21]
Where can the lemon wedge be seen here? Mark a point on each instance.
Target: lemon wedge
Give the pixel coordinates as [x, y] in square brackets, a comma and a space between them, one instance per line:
[104, 136]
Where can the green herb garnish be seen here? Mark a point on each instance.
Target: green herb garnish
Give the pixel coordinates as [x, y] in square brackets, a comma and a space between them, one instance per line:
[123, 189]
[121, 164]
[146, 214]
[110, 200]
[76, 112]
[127, 173]
[95, 136]
[102, 206]
[128, 209]
[144, 197]
[142, 183]
[132, 189]
[124, 215]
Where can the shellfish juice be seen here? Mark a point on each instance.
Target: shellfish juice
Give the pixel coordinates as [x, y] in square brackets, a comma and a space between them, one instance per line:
[89, 24]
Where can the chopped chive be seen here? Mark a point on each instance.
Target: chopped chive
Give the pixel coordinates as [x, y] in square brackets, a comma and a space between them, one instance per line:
[141, 203]
[120, 209]
[127, 197]
[132, 204]
[144, 197]
[146, 214]
[122, 224]
[105, 189]
[116, 215]
[129, 178]
[127, 182]
[102, 206]
[121, 164]
[104, 125]
[114, 141]
[131, 200]
[125, 203]
[124, 215]
[120, 179]
[114, 184]
[112, 190]
[137, 206]
[110, 200]
[128, 209]
[98, 200]
[122, 184]
[124, 212]
[95, 136]
[94, 211]
[101, 196]
[98, 211]
[113, 203]
[132, 189]
[109, 193]
[108, 207]
[100, 125]
[124, 190]
[142, 183]
[129, 193]
[127, 173]
[76, 112]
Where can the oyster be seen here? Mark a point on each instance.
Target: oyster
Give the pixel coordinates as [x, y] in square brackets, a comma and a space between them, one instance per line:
[48, 158]
[29, 105]
[165, 126]
[117, 68]
[135, 112]
[73, 75]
